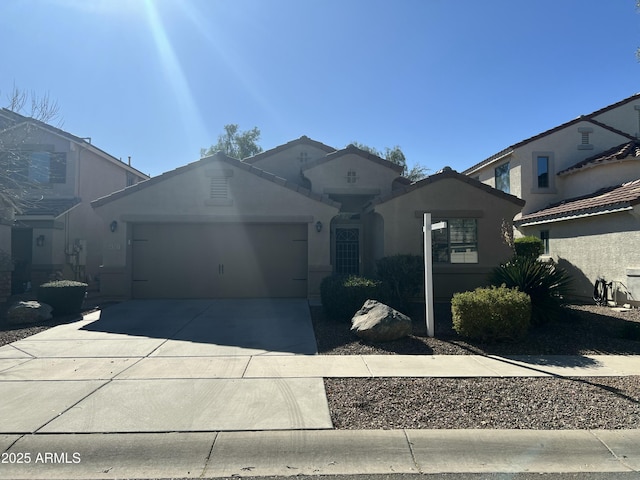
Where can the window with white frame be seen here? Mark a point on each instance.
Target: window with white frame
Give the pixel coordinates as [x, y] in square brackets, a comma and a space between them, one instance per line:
[457, 242]
[351, 176]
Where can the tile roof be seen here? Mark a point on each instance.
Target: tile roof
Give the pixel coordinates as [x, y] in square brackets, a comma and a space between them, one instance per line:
[218, 156]
[303, 140]
[588, 118]
[626, 151]
[53, 207]
[606, 200]
[351, 149]
[448, 172]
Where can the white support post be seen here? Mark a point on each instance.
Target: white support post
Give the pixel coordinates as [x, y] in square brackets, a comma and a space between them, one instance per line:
[428, 276]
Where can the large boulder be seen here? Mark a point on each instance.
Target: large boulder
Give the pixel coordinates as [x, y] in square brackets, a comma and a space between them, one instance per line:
[377, 322]
[29, 312]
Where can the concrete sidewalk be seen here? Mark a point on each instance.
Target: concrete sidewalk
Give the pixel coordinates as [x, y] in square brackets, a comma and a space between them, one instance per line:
[329, 452]
[151, 394]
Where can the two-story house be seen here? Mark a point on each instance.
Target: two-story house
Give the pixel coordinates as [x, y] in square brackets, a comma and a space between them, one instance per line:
[580, 181]
[276, 224]
[49, 179]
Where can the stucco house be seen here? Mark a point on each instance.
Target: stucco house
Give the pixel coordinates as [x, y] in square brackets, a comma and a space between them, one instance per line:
[276, 224]
[53, 175]
[580, 182]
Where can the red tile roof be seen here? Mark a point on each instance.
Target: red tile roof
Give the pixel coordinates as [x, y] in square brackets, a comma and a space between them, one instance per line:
[606, 200]
[626, 151]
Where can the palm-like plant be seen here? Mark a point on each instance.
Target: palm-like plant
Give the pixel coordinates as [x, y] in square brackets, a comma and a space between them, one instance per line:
[546, 283]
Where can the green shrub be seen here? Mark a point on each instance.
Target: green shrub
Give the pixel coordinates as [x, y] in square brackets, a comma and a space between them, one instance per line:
[403, 276]
[64, 296]
[546, 284]
[491, 314]
[528, 247]
[343, 296]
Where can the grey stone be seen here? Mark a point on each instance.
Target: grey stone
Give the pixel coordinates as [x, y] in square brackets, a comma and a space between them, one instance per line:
[29, 312]
[377, 322]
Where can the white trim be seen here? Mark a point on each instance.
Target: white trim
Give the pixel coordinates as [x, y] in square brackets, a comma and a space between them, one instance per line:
[574, 217]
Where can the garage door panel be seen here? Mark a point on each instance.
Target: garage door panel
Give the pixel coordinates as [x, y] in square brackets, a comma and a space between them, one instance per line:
[219, 260]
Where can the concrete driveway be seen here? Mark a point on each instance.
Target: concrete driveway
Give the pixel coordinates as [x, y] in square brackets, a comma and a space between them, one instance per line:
[163, 366]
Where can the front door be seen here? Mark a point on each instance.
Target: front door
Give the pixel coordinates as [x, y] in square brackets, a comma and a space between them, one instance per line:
[347, 251]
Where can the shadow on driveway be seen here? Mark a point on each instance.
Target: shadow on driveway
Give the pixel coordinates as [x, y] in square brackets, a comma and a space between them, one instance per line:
[269, 325]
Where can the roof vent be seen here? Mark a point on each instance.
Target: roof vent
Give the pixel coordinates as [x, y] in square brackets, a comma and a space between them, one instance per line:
[446, 169]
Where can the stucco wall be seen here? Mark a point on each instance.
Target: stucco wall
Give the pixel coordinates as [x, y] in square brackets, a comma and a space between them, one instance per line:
[449, 198]
[564, 149]
[287, 164]
[185, 197]
[331, 176]
[600, 246]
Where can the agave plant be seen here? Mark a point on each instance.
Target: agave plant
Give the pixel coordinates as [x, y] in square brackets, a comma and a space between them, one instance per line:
[546, 283]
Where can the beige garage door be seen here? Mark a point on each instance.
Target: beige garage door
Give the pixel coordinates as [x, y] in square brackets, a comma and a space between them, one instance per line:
[219, 260]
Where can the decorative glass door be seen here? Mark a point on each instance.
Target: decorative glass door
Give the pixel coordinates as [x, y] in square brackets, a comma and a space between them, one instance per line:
[347, 251]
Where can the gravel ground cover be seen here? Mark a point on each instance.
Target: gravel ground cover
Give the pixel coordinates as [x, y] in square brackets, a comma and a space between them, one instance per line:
[584, 330]
[521, 403]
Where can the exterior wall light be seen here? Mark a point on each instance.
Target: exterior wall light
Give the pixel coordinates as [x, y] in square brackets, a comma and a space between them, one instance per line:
[40, 241]
[318, 226]
[113, 226]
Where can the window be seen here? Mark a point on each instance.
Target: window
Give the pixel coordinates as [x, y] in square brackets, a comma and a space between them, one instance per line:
[544, 236]
[36, 167]
[502, 178]
[543, 171]
[351, 176]
[457, 243]
[303, 157]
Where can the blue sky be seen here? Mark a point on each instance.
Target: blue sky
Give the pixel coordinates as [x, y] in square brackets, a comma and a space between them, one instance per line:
[449, 81]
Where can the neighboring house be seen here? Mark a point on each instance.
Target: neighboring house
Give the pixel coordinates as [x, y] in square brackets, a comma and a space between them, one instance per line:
[276, 224]
[53, 175]
[580, 182]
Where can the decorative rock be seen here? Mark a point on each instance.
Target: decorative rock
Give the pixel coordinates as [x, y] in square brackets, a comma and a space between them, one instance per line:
[377, 322]
[29, 312]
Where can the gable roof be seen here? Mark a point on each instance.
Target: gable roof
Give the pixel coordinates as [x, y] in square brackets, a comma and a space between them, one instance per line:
[583, 118]
[445, 173]
[626, 151]
[353, 150]
[18, 120]
[606, 200]
[303, 140]
[218, 156]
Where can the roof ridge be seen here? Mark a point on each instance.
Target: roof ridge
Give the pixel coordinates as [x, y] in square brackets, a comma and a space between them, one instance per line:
[302, 140]
[208, 159]
[581, 118]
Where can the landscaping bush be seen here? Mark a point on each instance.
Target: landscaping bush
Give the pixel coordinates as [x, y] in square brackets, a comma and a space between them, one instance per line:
[528, 247]
[403, 276]
[343, 296]
[546, 284]
[64, 296]
[491, 314]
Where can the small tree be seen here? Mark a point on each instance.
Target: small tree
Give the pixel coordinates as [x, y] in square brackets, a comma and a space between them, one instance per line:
[396, 155]
[235, 143]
